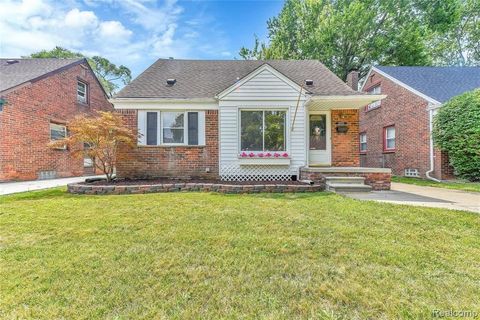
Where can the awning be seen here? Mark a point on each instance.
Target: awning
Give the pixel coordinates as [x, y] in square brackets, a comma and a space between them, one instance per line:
[342, 102]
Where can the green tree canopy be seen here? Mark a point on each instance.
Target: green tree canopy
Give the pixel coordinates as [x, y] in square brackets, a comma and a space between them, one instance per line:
[354, 34]
[457, 130]
[107, 73]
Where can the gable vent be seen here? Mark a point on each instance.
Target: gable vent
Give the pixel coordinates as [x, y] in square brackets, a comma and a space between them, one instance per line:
[309, 82]
[171, 82]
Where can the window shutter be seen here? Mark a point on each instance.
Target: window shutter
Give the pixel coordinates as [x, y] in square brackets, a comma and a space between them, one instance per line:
[193, 128]
[201, 128]
[152, 128]
[141, 126]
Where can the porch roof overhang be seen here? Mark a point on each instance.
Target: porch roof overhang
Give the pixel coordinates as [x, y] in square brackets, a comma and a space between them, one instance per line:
[342, 102]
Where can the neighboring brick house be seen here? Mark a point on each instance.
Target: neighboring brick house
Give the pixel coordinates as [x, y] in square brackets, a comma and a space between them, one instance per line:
[241, 120]
[395, 132]
[39, 97]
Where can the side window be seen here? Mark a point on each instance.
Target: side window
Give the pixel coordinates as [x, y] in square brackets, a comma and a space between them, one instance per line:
[58, 132]
[389, 138]
[363, 142]
[82, 92]
[376, 104]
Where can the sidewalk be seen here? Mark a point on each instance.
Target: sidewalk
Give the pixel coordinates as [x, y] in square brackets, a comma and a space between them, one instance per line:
[23, 186]
[402, 193]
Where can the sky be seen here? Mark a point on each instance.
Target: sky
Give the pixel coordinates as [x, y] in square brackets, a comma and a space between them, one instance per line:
[134, 33]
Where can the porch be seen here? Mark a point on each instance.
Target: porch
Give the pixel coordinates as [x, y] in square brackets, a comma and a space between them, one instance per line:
[347, 178]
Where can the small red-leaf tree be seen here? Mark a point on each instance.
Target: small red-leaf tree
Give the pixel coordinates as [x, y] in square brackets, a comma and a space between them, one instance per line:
[101, 137]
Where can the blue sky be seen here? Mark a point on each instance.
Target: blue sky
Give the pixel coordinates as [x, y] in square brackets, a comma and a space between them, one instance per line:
[134, 32]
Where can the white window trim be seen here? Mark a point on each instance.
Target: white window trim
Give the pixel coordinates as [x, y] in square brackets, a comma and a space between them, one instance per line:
[287, 129]
[386, 138]
[142, 141]
[79, 99]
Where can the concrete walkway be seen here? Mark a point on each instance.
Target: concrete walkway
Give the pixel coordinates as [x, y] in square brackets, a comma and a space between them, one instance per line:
[410, 194]
[23, 186]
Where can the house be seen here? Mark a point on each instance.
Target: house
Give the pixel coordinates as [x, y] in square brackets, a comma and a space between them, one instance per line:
[37, 99]
[396, 132]
[243, 120]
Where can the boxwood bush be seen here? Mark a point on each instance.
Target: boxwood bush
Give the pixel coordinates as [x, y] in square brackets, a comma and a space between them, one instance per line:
[456, 129]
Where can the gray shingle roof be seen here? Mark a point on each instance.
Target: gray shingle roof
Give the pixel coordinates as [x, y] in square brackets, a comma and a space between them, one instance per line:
[439, 83]
[25, 70]
[206, 78]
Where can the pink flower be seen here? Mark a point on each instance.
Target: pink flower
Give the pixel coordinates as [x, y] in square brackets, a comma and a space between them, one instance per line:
[251, 154]
[285, 155]
[260, 155]
[276, 154]
[268, 154]
[243, 154]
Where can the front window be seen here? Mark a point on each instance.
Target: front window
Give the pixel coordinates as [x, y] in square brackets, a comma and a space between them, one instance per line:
[363, 142]
[375, 104]
[172, 123]
[263, 130]
[82, 91]
[389, 141]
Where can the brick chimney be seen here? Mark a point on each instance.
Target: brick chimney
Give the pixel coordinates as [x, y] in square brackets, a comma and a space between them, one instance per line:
[352, 80]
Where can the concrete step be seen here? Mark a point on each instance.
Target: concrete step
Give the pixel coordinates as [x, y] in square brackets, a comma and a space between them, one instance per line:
[347, 187]
[346, 180]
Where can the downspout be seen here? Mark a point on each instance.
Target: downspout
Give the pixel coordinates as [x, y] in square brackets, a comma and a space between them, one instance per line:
[432, 162]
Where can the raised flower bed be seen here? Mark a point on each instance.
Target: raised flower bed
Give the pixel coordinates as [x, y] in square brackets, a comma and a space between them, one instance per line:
[169, 185]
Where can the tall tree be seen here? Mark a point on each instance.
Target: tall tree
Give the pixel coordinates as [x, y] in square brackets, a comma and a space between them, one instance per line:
[354, 34]
[107, 73]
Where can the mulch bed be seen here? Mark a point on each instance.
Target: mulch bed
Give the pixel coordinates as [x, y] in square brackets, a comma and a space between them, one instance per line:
[130, 182]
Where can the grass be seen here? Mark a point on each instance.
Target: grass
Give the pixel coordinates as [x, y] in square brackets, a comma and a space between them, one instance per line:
[209, 256]
[457, 185]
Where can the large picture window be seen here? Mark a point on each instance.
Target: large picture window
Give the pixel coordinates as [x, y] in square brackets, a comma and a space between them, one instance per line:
[263, 130]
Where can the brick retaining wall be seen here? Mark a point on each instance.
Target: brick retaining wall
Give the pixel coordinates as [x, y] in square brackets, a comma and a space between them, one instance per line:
[377, 180]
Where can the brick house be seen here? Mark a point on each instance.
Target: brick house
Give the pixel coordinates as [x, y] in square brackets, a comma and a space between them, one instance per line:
[38, 98]
[395, 132]
[243, 120]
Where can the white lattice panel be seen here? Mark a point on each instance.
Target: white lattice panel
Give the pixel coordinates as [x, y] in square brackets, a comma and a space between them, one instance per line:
[256, 173]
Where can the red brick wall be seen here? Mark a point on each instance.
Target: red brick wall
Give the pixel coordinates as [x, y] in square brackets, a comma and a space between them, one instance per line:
[177, 162]
[25, 124]
[345, 145]
[408, 112]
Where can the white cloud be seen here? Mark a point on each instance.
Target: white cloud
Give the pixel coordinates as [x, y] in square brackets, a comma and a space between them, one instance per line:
[138, 32]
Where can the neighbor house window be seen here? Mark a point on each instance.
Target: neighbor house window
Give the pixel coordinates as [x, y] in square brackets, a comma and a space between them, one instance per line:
[363, 142]
[263, 130]
[171, 128]
[82, 92]
[376, 104]
[58, 132]
[389, 138]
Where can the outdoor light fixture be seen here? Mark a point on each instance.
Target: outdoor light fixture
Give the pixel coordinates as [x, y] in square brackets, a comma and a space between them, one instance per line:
[342, 127]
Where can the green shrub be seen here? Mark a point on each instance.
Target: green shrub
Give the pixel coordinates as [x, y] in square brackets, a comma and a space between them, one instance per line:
[456, 129]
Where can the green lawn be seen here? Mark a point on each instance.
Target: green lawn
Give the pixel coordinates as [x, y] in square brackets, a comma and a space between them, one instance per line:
[457, 185]
[209, 256]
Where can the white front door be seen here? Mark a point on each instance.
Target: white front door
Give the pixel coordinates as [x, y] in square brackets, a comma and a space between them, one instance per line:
[319, 144]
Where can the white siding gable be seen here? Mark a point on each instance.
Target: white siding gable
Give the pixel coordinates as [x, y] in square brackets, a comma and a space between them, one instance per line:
[266, 89]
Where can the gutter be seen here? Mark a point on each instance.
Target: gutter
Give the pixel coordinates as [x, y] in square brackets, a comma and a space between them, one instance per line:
[431, 109]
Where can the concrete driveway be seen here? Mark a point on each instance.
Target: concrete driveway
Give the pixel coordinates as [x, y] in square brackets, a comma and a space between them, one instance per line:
[23, 186]
[402, 193]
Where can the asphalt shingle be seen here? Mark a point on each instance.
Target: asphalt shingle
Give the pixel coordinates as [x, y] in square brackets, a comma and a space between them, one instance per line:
[14, 74]
[439, 83]
[206, 78]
